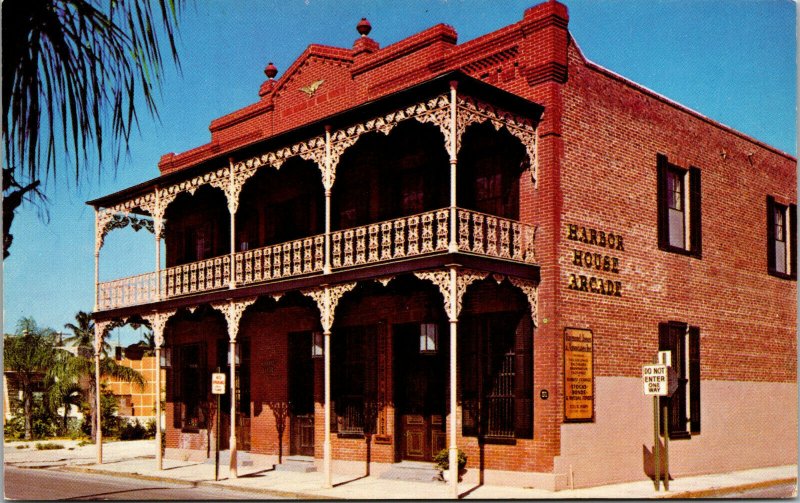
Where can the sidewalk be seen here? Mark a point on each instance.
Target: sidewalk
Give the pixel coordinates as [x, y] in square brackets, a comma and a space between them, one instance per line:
[135, 459]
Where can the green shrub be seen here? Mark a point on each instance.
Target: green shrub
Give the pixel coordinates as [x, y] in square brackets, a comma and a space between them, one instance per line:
[442, 459]
[132, 431]
[48, 446]
[23, 446]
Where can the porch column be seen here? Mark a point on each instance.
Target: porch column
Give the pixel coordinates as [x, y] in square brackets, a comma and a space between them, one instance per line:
[453, 245]
[96, 259]
[233, 465]
[328, 186]
[453, 457]
[233, 311]
[326, 443]
[230, 194]
[99, 328]
[157, 323]
[159, 460]
[157, 223]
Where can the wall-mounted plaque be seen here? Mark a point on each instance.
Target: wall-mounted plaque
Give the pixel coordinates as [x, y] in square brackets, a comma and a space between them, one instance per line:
[578, 375]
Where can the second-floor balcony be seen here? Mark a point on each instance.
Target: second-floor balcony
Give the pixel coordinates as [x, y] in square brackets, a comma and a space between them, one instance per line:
[405, 238]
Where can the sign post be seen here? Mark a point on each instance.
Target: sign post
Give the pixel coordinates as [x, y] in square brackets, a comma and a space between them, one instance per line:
[660, 380]
[217, 388]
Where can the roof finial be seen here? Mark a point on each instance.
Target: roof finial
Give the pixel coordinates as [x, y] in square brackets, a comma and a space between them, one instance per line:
[271, 71]
[363, 27]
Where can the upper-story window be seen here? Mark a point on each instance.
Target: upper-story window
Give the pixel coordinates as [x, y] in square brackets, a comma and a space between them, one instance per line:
[781, 239]
[679, 214]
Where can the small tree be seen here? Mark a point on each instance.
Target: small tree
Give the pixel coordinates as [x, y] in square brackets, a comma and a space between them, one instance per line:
[29, 353]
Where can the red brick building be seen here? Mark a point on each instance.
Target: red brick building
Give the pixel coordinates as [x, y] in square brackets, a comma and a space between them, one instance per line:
[505, 209]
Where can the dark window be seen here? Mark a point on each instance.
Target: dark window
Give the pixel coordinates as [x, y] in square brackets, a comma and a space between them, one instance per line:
[683, 407]
[354, 376]
[189, 395]
[496, 377]
[679, 211]
[781, 239]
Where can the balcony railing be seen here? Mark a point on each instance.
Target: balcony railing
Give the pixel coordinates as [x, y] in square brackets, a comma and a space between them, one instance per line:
[401, 238]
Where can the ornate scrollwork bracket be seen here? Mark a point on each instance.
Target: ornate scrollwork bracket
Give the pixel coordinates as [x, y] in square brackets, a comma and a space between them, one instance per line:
[531, 292]
[158, 321]
[233, 311]
[441, 279]
[327, 298]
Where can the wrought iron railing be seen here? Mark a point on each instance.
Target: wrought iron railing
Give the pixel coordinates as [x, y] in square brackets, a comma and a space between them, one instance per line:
[398, 239]
[294, 258]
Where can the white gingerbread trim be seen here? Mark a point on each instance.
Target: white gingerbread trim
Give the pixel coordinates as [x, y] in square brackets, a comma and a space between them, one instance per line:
[441, 279]
[327, 298]
[233, 311]
[531, 292]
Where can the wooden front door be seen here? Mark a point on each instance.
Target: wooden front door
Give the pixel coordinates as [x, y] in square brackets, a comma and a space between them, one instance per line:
[420, 386]
[301, 395]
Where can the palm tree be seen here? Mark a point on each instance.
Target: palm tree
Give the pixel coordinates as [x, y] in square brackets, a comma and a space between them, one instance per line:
[29, 353]
[73, 74]
[85, 367]
[83, 333]
[64, 389]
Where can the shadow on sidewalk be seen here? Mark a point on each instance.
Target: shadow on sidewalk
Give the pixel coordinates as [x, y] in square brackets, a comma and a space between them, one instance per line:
[349, 481]
[259, 473]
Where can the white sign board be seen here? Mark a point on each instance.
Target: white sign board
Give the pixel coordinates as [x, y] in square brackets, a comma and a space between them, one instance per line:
[665, 358]
[218, 383]
[654, 379]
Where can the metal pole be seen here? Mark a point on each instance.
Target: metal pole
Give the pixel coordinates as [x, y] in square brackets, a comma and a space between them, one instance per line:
[656, 458]
[453, 245]
[216, 452]
[328, 187]
[233, 465]
[666, 449]
[453, 454]
[232, 210]
[326, 443]
[98, 412]
[159, 460]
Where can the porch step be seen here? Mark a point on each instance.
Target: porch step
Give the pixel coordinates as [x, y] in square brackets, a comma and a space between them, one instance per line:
[302, 464]
[242, 458]
[415, 471]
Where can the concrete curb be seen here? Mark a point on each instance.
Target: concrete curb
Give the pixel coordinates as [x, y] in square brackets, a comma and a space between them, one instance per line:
[690, 494]
[200, 483]
[722, 491]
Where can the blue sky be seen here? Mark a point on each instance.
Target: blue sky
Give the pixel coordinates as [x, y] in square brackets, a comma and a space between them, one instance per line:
[731, 60]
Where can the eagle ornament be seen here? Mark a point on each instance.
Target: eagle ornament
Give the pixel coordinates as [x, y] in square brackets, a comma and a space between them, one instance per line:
[312, 87]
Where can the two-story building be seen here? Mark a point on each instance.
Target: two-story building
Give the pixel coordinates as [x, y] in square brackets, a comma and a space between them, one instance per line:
[432, 246]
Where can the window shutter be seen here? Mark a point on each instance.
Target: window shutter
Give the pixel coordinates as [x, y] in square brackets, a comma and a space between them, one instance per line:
[663, 224]
[792, 239]
[523, 379]
[695, 212]
[770, 234]
[694, 379]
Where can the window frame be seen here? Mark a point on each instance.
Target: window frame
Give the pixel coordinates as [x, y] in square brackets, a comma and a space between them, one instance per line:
[691, 207]
[789, 213]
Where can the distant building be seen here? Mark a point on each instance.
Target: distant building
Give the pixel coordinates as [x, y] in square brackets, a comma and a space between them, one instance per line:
[506, 204]
[135, 402]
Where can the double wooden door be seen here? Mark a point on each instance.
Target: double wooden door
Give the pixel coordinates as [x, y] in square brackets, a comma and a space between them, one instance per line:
[420, 392]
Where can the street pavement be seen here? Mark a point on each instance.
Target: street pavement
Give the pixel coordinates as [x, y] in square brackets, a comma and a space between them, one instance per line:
[51, 484]
[136, 459]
